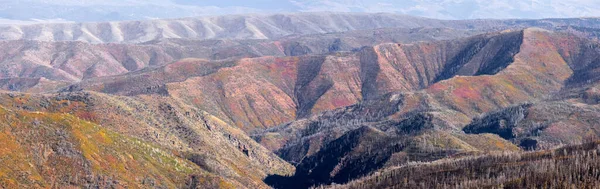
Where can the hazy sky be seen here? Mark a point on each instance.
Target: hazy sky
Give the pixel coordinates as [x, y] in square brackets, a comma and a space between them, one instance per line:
[110, 10]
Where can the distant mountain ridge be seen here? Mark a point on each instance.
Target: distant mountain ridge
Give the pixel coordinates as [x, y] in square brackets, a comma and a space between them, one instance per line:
[256, 26]
[74, 60]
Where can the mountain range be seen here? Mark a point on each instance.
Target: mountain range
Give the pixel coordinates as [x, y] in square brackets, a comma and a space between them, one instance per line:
[340, 100]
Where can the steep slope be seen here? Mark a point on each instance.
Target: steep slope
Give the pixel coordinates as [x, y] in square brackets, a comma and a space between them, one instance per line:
[267, 91]
[566, 117]
[533, 71]
[205, 140]
[75, 61]
[347, 143]
[361, 151]
[538, 70]
[370, 72]
[60, 150]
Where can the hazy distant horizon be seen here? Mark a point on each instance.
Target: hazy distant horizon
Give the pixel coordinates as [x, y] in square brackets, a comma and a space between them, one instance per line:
[32, 11]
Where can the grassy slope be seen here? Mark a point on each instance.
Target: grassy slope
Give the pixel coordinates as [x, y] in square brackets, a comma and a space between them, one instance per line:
[61, 150]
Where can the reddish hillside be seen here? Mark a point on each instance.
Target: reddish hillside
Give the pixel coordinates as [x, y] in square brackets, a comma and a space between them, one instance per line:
[534, 71]
[76, 61]
[268, 91]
